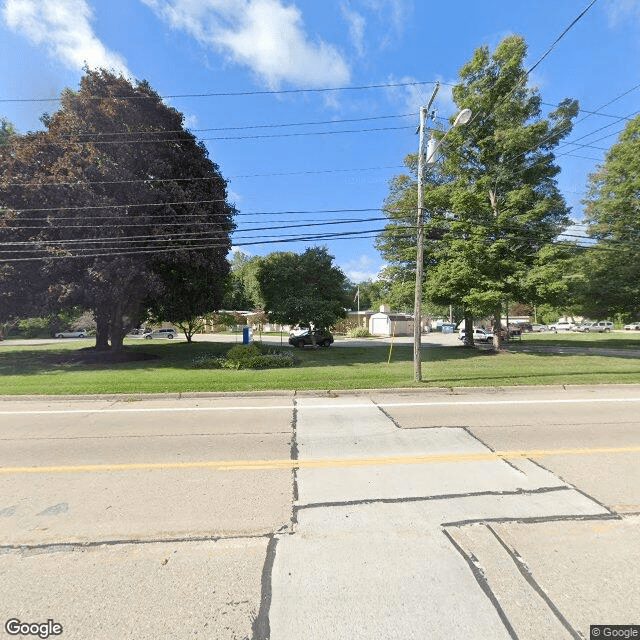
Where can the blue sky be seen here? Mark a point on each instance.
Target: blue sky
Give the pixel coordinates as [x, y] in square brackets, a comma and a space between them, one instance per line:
[244, 46]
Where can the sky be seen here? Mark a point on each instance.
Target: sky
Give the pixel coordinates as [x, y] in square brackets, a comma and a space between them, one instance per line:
[331, 159]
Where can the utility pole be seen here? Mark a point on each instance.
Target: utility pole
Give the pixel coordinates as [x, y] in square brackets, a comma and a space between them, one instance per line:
[417, 307]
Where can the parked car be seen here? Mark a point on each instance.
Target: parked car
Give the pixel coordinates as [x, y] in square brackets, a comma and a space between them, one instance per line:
[72, 333]
[539, 328]
[583, 327]
[561, 325]
[479, 335]
[161, 333]
[604, 326]
[634, 326]
[304, 337]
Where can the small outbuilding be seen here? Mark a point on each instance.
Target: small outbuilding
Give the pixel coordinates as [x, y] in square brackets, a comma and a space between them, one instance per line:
[387, 324]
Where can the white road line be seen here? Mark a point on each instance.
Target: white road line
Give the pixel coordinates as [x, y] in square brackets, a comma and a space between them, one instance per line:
[322, 407]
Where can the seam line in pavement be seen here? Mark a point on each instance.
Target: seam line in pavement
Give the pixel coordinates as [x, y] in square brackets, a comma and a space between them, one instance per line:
[260, 627]
[584, 493]
[528, 576]
[478, 574]
[445, 496]
[535, 519]
[395, 423]
[52, 547]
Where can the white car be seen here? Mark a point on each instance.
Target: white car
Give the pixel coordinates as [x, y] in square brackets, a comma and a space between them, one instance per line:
[71, 333]
[562, 325]
[604, 326]
[634, 326]
[161, 333]
[479, 335]
[539, 328]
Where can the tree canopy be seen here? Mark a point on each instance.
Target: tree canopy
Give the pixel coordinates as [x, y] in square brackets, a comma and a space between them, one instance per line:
[112, 204]
[610, 268]
[493, 202]
[304, 289]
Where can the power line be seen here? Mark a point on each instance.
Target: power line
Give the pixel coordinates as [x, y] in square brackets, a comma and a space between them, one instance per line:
[184, 237]
[143, 132]
[153, 180]
[297, 134]
[254, 213]
[302, 238]
[226, 94]
[555, 42]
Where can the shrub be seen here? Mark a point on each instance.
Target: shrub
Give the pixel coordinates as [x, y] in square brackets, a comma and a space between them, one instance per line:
[358, 332]
[246, 356]
[34, 328]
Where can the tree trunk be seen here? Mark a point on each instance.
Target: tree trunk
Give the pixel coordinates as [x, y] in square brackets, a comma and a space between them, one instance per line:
[102, 329]
[468, 330]
[497, 329]
[117, 330]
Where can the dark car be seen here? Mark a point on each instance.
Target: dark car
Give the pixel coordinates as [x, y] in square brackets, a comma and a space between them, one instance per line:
[304, 337]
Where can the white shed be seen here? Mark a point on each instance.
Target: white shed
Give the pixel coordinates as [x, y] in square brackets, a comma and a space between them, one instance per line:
[386, 323]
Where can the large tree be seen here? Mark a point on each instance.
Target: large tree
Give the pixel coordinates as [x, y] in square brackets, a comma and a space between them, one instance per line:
[243, 291]
[114, 195]
[612, 209]
[493, 201]
[304, 289]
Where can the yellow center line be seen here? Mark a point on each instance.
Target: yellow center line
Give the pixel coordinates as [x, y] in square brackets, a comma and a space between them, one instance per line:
[269, 465]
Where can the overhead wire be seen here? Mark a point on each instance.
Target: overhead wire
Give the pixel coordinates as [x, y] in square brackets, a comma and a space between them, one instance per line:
[225, 94]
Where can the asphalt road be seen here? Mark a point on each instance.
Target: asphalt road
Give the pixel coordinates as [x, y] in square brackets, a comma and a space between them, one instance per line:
[497, 513]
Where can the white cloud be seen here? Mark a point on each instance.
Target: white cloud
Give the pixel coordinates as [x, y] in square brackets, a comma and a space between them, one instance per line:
[357, 24]
[190, 121]
[64, 28]
[362, 269]
[620, 10]
[264, 35]
[414, 96]
[392, 13]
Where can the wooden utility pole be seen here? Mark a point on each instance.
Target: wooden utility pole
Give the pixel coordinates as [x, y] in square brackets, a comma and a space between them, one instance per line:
[417, 307]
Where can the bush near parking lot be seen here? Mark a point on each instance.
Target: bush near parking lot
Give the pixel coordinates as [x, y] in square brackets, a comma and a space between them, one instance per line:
[358, 332]
[246, 356]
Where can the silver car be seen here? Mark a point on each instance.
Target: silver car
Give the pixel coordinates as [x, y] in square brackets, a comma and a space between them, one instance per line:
[161, 333]
[72, 333]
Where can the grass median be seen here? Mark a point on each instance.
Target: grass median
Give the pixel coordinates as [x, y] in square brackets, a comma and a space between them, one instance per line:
[55, 369]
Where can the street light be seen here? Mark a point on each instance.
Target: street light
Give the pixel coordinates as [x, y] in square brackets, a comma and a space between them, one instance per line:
[462, 118]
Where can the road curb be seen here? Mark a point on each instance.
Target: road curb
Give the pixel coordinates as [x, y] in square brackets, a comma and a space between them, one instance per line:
[324, 393]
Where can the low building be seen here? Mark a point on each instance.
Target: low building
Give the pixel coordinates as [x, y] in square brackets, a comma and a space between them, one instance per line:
[387, 324]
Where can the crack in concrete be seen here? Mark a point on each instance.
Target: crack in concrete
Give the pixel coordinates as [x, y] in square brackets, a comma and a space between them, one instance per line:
[534, 519]
[584, 493]
[261, 628]
[54, 547]
[528, 576]
[444, 496]
[478, 574]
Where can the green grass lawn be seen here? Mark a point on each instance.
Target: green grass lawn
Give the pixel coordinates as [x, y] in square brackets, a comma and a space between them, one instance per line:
[51, 369]
[617, 340]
